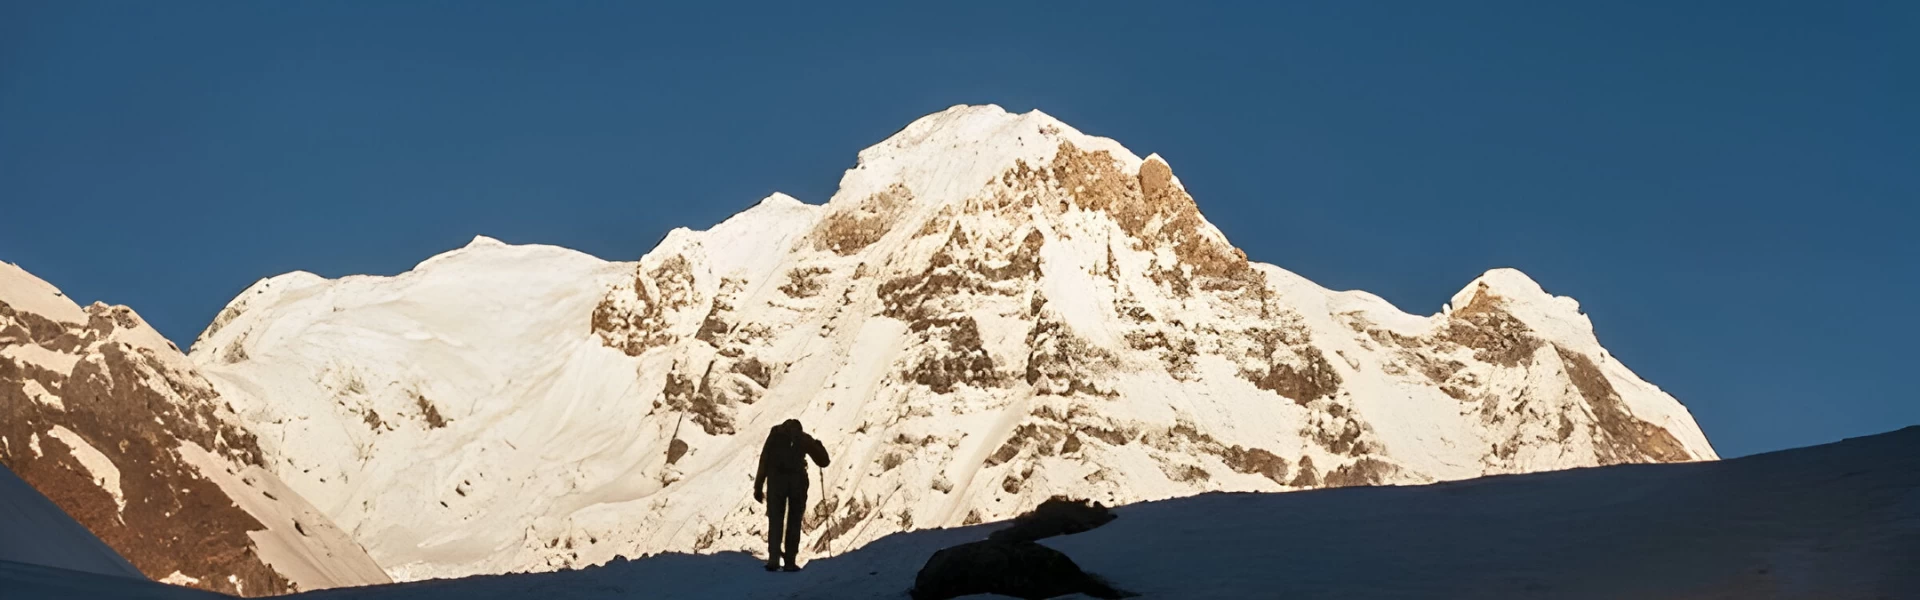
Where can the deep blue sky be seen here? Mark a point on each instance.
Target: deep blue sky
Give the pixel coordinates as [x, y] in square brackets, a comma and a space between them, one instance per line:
[1728, 188]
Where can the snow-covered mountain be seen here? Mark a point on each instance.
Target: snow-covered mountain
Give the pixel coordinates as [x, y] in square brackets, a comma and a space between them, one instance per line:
[111, 422]
[994, 308]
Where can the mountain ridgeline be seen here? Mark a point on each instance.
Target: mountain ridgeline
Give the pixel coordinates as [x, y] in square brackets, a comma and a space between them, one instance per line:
[992, 310]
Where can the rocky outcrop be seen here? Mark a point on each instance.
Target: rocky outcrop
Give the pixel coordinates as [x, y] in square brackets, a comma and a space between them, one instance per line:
[112, 423]
[1059, 515]
[1009, 563]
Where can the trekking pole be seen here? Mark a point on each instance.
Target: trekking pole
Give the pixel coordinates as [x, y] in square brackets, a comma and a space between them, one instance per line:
[823, 487]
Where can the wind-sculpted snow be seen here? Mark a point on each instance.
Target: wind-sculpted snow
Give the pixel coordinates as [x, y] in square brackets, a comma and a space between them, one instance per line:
[993, 309]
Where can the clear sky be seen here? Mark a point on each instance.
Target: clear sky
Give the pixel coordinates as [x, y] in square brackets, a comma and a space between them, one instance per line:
[1727, 187]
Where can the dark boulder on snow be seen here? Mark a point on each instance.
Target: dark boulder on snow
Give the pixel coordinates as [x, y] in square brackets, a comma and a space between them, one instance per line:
[1019, 569]
[1009, 563]
[1059, 515]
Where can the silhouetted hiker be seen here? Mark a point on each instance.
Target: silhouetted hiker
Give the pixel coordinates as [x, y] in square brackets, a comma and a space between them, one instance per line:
[782, 485]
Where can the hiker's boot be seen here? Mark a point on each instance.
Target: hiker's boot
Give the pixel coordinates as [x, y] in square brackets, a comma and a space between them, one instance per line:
[791, 567]
[773, 564]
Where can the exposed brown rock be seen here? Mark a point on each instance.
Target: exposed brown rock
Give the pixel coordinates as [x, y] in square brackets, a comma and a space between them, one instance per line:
[1061, 363]
[42, 331]
[1177, 354]
[220, 321]
[235, 352]
[636, 320]
[1007, 450]
[961, 267]
[1219, 265]
[938, 224]
[803, 283]
[1184, 473]
[1306, 476]
[372, 419]
[1185, 438]
[1071, 445]
[954, 356]
[1494, 335]
[755, 370]
[1619, 437]
[695, 397]
[429, 412]
[1366, 470]
[1285, 359]
[1303, 384]
[1113, 437]
[1150, 208]
[1339, 434]
[1255, 460]
[135, 409]
[1041, 436]
[851, 230]
[891, 460]
[834, 527]
[1011, 483]
[1437, 370]
[1184, 435]
[719, 313]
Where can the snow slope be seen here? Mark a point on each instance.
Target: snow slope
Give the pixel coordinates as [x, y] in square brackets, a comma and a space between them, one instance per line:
[1833, 522]
[466, 395]
[110, 422]
[994, 308]
[27, 581]
[33, 530]
[1830, 522]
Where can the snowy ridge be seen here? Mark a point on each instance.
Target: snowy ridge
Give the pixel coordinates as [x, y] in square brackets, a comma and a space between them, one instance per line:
[515, 401]
[993, 309]
[113, 424]
[27, 293]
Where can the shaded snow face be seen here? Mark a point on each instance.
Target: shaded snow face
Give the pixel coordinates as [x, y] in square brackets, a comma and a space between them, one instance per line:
[992, 310]
[36, 531]
[114, 425]
[1779, 525]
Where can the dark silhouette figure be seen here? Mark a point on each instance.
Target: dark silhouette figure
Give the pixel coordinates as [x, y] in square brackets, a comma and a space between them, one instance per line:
[782, 485]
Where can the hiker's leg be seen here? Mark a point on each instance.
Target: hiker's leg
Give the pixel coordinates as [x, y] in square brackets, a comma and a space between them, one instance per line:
[796, 508]
[776, 519]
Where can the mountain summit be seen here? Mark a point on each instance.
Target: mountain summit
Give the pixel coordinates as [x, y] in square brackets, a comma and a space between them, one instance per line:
[993, 309]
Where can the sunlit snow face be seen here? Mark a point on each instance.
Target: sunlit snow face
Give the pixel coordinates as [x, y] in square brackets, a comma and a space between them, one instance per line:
[992, 310]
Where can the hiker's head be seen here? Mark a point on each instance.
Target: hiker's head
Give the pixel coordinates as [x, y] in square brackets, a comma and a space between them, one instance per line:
[791, 426]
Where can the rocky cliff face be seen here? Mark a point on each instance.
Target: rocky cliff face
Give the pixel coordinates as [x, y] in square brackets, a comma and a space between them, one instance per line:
[111, 422]
[993, 309]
